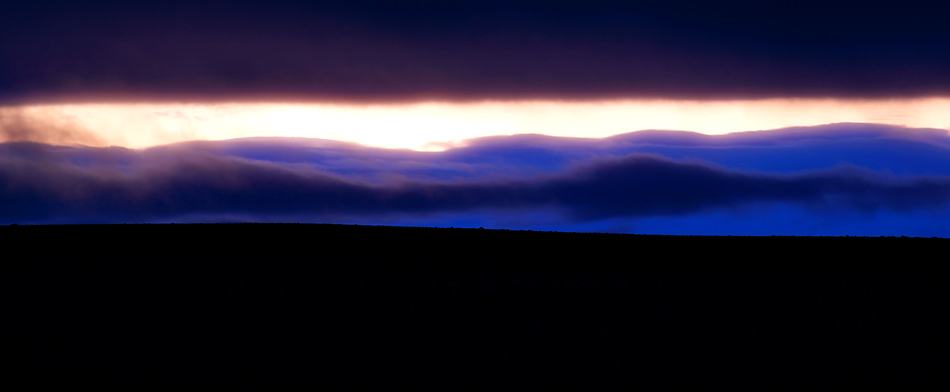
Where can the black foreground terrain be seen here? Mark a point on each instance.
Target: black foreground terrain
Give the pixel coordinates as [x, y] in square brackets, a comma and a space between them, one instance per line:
[294, 305]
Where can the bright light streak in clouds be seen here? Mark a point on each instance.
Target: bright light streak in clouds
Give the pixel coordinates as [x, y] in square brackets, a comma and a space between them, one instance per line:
[428, 125]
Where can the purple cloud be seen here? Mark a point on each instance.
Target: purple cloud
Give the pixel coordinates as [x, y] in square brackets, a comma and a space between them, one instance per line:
[375, 50]
[44, 183]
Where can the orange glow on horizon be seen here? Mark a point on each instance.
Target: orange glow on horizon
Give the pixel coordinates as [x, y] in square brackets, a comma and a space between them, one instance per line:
[433, 125]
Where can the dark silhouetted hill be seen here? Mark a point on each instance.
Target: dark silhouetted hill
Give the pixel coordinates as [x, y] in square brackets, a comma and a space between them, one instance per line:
[319, 304]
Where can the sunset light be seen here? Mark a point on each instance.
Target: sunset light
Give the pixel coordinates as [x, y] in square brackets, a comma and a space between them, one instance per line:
[621, 117]
[516, 192]
[431, 125]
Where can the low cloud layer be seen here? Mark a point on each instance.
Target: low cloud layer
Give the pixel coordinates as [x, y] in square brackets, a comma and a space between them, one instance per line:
[49, 184]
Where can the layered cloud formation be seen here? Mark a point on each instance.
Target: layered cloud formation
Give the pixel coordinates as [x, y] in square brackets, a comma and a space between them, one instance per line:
[832, 169]
[676, 60]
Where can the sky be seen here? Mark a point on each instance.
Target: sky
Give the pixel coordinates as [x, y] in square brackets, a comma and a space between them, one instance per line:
[703, 118]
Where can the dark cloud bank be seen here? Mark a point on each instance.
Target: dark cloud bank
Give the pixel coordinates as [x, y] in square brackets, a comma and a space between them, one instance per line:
[376, 49]
[580, 180]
